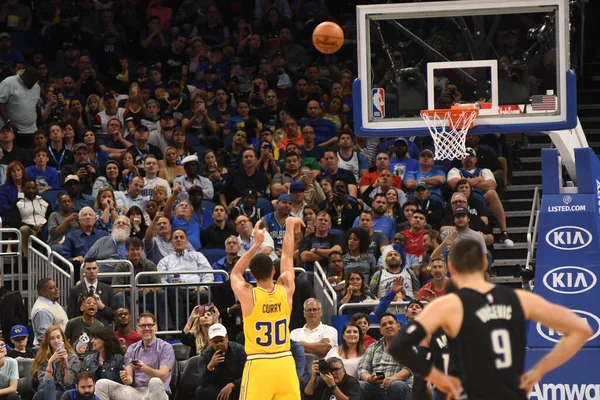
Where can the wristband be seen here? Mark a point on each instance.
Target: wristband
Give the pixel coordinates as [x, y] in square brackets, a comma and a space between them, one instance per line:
[332, 387]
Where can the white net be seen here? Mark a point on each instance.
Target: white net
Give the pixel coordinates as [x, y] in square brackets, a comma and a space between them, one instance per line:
[449, 130]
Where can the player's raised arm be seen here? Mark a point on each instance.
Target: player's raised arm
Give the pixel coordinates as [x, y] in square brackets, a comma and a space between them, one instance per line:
[238, 284]
[575, 332]
[293, 226]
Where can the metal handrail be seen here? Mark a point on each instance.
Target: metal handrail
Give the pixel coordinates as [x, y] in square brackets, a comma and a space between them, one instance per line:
[36, 256]
[16, 277]
[532, 229]
[70, 274]
[328, 293]
[171, 285]
[130, 275]
[373, 305]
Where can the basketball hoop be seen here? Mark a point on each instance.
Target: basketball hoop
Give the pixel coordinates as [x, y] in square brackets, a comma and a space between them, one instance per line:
[449, 128]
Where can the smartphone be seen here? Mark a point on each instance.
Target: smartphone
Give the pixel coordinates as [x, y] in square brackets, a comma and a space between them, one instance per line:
[256, 88]
[380, 375]
[201, 106]
[60, 345]
[135, 362]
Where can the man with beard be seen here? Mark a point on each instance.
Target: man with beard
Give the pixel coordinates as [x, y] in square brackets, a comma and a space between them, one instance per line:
[216, 234]
[247, 208]
[342, 208]
[184, 218]
[113, 247]
[275, 221]
[106, 303]
[241, 179]
[393, 270]
[380, 375]
[349, 159]
[298, 104]
[74, 189]
[283, 180]
[79, 329]
[437, 286]
[414, 235]
[192, 177]
[84, 388]
[157, 242]
[310, 148]
[378, 239]
[319, 245]
[402, 162]
[382, 222]
[326, 133]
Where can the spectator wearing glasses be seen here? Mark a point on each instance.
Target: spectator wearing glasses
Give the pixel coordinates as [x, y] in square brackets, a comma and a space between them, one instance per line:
[316, 337]
[148, 364]
[476, 205]
[434, 178]
[334, 382]
[244, 228]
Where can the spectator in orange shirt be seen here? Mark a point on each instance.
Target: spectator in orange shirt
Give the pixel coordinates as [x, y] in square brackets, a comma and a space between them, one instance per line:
[292, 134]
[437, 286]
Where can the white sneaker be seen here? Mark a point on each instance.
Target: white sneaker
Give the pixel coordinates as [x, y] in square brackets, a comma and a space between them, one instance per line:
[508, 243]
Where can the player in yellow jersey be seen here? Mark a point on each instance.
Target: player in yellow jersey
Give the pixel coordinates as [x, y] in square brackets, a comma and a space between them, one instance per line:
[270, 371]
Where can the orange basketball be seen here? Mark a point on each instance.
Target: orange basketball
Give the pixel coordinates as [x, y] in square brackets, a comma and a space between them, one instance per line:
[328, 37]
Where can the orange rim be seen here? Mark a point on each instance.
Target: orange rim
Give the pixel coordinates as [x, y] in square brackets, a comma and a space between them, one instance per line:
[453, 115]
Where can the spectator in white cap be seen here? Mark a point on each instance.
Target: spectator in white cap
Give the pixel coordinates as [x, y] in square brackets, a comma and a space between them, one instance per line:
[74, 189]
[192, 177]
[220, 367]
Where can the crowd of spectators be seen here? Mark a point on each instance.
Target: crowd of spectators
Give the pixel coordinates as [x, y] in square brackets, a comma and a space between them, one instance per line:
[155, 130]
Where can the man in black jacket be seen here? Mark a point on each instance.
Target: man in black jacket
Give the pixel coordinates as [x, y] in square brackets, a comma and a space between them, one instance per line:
[101, 291]
[220, 367]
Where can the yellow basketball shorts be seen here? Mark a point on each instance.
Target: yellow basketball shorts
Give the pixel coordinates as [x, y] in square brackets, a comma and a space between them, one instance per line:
[270, 377]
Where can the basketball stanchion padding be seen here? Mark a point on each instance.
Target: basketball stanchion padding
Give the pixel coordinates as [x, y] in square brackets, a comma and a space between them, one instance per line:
[449, 128]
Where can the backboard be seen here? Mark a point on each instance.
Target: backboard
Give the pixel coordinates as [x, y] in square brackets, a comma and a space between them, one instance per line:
[510, 58]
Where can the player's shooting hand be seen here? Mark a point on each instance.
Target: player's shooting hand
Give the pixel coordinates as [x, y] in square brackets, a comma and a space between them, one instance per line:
[529, 379]
[259, 234]
[448, 384]
[294, 224]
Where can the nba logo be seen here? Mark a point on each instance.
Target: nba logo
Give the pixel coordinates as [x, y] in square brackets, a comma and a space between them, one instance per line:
[378, 110]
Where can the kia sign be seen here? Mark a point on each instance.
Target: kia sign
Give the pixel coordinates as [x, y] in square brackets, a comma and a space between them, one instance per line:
[570, 280]
[553, 336]
[569, 238]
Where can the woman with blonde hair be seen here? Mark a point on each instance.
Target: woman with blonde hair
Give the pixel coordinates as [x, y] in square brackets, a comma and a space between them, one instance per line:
[55, 365]
[93, 105]
[135, 104]
[195, 332]
[172, 168]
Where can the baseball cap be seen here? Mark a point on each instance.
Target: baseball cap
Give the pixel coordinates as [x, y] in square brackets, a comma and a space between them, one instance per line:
[142, 127]
[284, 197]
[471, 152]
[216, 330]
[195, 189]
[250, 192]
[188, 159]
[415, 302]
[108, 95]
[4, 35]
[166, 114]
[461, 211]
[173, 82]
[155, 68]
[6, 127]
[80, 146]
[18, 331]
[71, 178]
[401, 139]
[420, 186]
[297, 187]
[426, 151]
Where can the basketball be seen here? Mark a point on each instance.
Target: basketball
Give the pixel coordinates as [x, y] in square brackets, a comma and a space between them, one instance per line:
[328, 37]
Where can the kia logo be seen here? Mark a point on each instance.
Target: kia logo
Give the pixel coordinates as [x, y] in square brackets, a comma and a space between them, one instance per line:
[569, 238]
[553, 336]
[570, 280]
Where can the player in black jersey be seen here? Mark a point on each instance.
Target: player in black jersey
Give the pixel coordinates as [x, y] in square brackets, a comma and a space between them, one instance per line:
[487, 323]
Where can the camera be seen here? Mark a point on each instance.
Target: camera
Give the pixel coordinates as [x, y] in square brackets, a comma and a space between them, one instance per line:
[82, 165]
[56, 91]
[324, 367]
[256, 88]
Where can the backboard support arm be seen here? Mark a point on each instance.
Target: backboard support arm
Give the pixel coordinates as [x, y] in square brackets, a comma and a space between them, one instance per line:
[566, 142]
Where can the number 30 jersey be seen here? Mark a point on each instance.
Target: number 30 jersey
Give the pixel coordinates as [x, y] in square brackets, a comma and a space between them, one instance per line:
[266, 329]
[491, 344]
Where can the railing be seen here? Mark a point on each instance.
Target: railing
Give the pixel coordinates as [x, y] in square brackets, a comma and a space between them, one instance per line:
[400, 306]
[14, 277]
[127, 274]
[38, 267]
[64, 279]
[169, 286]
[532, 229]
[325, 293]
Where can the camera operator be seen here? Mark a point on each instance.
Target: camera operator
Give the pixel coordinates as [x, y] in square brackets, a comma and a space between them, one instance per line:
[333, 381]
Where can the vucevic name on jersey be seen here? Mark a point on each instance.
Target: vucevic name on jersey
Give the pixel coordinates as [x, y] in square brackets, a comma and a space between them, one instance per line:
[491, 344]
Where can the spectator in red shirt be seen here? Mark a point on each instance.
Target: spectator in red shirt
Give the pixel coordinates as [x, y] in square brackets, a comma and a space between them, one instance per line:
[124, 333]
[382, 162]
[414, 235]
[437, 286]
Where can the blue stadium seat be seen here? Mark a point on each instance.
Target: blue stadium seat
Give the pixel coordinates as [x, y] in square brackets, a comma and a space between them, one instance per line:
[199, 152]
[208, 205]
[337, 232]
[51, 196]
[213, 255]
[265, 205]
[192, 140]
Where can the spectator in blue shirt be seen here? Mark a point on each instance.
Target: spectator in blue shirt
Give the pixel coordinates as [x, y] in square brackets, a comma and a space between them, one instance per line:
[184, 218]
[434, 178]
[383, 223]
[45, 177]
[333, 171]
[326, 134]
[78, 242]
[402, 162]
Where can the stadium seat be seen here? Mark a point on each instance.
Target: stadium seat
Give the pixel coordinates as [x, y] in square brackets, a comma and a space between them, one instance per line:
[199, 152]
[213, 255]
[174, 377]
[192, 140]
[51, 196]
[208, 205]
[182, 352]
[265, 205]
[25, 384]
[189, 380]
[337, 232]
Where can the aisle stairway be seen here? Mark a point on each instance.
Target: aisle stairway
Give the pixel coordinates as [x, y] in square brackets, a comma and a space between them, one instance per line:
[524, 181]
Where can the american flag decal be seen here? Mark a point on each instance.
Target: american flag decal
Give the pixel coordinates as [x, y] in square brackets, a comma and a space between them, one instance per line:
[543, 102]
